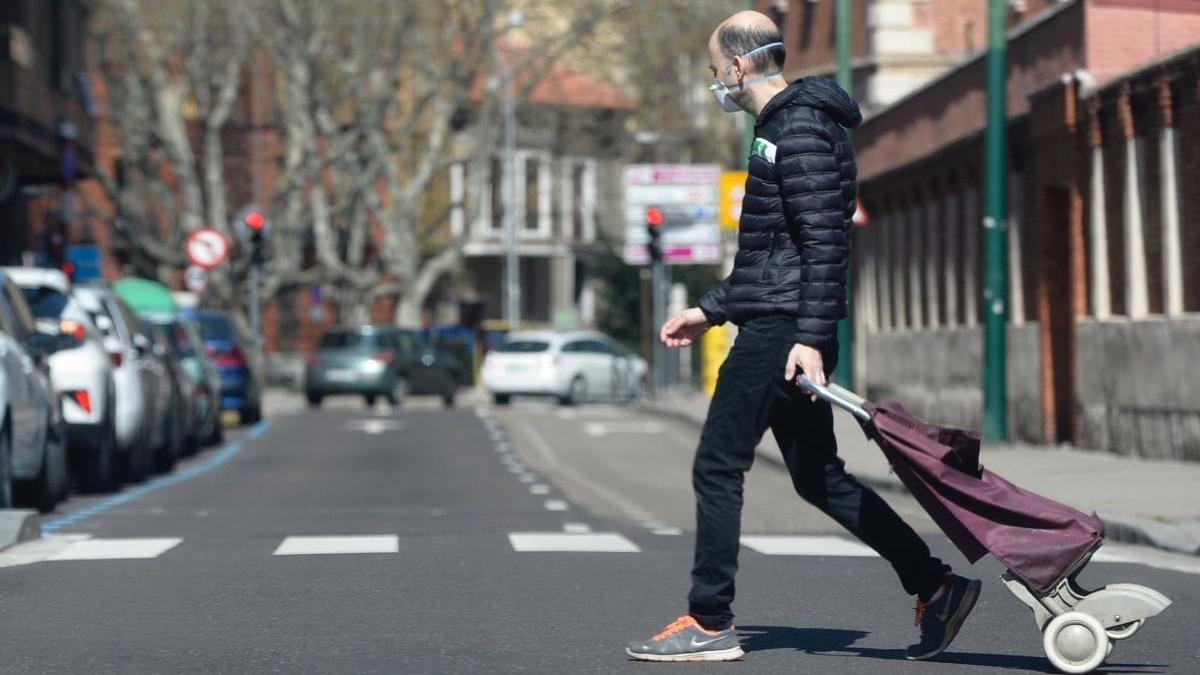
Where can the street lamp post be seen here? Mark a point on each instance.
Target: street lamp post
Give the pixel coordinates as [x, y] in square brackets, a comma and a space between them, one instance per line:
[995, 292]
[512, 261]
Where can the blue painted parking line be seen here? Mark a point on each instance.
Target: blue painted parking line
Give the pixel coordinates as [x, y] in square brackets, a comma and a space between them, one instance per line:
[223, 455]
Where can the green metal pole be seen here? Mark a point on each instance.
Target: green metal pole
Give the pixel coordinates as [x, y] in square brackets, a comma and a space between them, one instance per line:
[844, 374]
[995, 291]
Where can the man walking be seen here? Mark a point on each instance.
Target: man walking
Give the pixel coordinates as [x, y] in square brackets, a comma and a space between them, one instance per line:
[786, 293]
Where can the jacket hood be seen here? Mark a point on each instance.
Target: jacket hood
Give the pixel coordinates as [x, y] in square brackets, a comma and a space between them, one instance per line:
[817, 92]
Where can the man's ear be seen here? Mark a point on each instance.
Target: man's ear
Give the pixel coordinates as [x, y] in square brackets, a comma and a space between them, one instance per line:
[739, 68]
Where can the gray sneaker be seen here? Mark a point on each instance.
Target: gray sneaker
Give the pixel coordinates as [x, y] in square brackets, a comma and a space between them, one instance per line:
[686, 640]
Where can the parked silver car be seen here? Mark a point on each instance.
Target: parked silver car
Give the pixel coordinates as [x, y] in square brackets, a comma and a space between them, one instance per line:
[33, 464]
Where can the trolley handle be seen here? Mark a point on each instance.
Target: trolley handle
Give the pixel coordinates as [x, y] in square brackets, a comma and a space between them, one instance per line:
[838, 396]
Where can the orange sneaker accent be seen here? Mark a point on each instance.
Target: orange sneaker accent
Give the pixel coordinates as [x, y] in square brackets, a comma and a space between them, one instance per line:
[675, 626]
[919, 610]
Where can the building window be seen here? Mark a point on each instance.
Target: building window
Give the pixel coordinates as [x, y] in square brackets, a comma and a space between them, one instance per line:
[579, 199]
[495, 198]
[533, 207]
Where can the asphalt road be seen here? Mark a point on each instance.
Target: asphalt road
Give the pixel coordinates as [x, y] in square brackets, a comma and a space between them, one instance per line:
[439, 520]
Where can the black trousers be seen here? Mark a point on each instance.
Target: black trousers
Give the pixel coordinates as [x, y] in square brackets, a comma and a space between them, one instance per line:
[751, 396]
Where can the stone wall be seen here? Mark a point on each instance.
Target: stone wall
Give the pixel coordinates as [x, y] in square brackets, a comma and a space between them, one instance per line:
[1137, 386]
[937, 375]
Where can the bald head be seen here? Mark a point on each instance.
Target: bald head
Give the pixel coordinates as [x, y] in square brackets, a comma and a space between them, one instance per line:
[742, 33]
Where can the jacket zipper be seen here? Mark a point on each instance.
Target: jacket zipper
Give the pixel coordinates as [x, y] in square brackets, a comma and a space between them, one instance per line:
[770, 254]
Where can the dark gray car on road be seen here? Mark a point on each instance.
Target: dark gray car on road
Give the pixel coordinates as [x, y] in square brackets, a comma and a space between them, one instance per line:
[379, 361]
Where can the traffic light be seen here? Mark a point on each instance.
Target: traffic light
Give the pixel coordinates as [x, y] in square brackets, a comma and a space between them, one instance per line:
[654, 221]
[255, 222]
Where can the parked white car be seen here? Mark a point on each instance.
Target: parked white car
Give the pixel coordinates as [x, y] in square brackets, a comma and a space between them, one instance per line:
[573, 366]
[80, 371]
[119, 325]
[33, 465]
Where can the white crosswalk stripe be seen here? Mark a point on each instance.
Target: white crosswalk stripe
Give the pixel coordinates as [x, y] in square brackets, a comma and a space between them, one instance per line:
[115, 549]
[388, 543]
[551, 542]
[815, 545]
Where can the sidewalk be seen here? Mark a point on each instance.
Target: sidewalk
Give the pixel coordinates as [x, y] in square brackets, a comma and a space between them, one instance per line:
[1155, 503]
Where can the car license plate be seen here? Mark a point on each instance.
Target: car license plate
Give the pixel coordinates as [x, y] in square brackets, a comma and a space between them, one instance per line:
[340, 375]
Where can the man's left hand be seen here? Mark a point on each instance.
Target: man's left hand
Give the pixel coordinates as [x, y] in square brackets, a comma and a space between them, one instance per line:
[807, 360]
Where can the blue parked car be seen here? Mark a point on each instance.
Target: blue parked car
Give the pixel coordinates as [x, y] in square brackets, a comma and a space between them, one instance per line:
[237, 363]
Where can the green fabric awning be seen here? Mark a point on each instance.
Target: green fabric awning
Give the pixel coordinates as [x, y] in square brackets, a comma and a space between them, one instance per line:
[146, 297]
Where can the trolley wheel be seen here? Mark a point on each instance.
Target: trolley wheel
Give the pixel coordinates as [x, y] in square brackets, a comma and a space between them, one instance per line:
[1125, 630]
[1075, 642]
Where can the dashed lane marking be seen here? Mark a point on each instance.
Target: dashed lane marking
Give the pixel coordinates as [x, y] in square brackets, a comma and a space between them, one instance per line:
[555, 505]
[550, 542]
[806, 545]
[389, 543]
[115, 549]
[668, 531]
[539, 489]
[576, 528]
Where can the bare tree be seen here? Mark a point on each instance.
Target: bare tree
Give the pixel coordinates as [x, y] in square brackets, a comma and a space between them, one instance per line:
[172, 71]
[378, 101]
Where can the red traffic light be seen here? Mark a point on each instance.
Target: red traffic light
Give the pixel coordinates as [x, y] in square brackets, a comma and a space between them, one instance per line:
[255, 220]
[654, 216]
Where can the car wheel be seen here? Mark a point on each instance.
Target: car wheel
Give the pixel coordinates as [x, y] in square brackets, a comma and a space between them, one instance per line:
[250, 415]
[448, 399]
[400, 389]
[576, 392]
[40, 492]
[97, 462]
[6, 471]
[134, 464]
[369, 399]
[314, 400]
[501, 399]
[217, 436]
[172, 448]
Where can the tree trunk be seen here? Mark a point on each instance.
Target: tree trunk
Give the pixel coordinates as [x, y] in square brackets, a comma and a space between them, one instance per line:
[408, 312]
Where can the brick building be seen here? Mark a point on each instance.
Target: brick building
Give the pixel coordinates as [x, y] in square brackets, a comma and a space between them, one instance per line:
[897, 45]
[45, 129]
[1104, 267]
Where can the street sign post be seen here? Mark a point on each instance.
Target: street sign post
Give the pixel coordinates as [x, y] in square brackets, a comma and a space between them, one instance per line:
[207, 247]
[195, 278]
[686, 194]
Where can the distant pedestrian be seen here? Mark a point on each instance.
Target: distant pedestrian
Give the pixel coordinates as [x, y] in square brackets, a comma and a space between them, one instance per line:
[786, 293]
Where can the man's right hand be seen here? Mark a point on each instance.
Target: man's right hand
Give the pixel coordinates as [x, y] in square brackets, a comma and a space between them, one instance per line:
[683, 328]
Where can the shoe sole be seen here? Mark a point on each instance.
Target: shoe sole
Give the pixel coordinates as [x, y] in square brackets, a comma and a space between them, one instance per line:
[732, 654]
[956, 621]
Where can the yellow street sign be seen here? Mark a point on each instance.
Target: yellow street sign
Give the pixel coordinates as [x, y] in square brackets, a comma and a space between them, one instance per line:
[729, 200]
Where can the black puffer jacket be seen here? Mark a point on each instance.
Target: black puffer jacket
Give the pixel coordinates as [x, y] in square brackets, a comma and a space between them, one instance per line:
[800, 197]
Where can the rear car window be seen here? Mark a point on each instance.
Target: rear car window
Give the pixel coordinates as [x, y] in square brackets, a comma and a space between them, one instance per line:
[346, 339]
[45, 302]
[179, 338]
[216, 328]
[523, 347]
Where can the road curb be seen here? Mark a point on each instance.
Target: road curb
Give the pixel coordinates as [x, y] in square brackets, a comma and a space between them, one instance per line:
[17, 526]
[1120, 528]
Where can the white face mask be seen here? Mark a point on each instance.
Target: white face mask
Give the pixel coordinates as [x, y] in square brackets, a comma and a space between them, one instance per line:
[721, 90]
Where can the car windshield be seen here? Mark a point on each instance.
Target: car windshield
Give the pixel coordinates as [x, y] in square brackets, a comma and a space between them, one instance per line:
[523, 347]
[215, 327]
[349, 339]
[46, 302]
